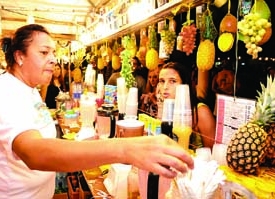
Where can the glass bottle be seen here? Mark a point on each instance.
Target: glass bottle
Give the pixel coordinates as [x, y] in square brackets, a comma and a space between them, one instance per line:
[132, 184]
[167, 117]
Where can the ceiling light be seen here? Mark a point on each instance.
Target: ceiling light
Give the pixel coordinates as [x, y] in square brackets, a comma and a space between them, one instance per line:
[30, 19]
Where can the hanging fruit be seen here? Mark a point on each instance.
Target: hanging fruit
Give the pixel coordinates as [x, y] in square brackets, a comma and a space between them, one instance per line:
[228, 29]
[132, 46]
[126, 58]
[225, 41]
[115, 58]
[152, 56]
[255, 28]
[206, 55]
[187, 36]
[228, 23]
[100, 63]
[206, 49]
[142, 47]
[168, 37]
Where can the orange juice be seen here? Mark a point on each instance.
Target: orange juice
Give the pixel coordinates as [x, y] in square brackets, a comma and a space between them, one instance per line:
[183, 133]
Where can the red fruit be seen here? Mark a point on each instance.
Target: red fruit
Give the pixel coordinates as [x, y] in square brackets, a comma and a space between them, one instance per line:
[228, 24]
[266, 36]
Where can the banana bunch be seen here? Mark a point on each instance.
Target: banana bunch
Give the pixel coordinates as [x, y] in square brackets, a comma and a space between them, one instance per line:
[262, 186]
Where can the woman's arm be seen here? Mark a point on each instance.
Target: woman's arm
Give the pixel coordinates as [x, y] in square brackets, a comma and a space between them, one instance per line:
[203, 84]
[153, 153]
[206, 125]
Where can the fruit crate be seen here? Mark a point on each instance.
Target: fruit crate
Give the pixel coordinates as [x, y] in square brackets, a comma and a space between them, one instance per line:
[60, 196]
[73, 187]
[84, 190]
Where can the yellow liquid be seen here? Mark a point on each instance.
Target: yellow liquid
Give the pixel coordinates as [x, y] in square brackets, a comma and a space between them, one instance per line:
[183, 133]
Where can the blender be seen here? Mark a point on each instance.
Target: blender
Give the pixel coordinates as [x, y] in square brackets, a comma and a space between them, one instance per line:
[87, 116]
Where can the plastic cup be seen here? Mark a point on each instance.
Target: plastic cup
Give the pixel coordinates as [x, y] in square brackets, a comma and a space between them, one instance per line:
[219, 153]
[182, 119]
[129, 128]
[203, 153]
[182, 98]
[168, 110]
[132, 96]
[131, 109]
[121, 86]
[121, 102]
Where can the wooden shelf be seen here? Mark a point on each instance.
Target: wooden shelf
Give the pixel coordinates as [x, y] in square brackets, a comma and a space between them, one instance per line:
[158, 14]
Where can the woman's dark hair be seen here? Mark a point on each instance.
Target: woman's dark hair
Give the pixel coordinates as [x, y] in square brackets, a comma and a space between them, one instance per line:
[60, 78]
[183, 71]
[185, 75]
[137, 60]
[20, 41]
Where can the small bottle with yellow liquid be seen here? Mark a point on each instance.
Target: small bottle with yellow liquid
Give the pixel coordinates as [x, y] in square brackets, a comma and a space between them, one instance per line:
[182, 116]
[183, 134]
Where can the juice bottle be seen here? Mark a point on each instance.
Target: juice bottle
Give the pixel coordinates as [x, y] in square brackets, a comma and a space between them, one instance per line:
[183, 134]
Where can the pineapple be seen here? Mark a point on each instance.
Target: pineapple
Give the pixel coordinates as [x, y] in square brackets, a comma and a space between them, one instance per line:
[248, 146]
[270, 154]
[206, 55]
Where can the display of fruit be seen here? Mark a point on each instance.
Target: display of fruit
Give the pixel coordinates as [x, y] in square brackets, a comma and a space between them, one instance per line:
[116, 61]
[253, 28]
[228, 24]
[262, 186]
[141, 53]
[228, 29]
[270, 153]
[208, 30]
[152, 59]
[168, 37]
[152, 56]
[225, 41]
[100, 63]
[205, 55]
[206, 49]
[132, 46]
[266, 37]
[247, 148]
[126, 66]
[261, 7]
[188, 34]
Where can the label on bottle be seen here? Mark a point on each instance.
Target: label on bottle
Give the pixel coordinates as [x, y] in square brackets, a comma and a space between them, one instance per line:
[166, 128]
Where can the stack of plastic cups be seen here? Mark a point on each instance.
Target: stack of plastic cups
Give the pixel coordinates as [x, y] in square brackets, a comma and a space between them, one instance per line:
[132, 102]
[182, 116]
[219, 153]
[121, 97]
[100, 86]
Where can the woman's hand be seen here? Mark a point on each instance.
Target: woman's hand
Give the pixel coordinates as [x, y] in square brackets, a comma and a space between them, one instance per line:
[161, 155]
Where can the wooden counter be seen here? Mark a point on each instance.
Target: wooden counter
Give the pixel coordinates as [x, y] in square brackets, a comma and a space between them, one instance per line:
[97, 187]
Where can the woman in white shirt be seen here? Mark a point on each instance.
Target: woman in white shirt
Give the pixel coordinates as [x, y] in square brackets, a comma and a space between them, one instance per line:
[31, 153]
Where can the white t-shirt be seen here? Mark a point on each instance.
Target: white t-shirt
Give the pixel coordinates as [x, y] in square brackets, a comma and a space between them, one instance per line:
[21, 109]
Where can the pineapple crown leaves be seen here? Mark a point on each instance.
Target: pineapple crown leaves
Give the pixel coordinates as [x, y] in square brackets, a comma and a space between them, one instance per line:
[209, 31]
[265, 105]
[153, 40]
[79, 57]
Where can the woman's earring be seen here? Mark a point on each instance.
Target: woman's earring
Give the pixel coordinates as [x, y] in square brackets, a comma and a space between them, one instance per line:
[20, 64]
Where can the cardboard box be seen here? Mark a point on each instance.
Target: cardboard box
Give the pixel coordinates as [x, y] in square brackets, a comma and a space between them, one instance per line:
[73, 190]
